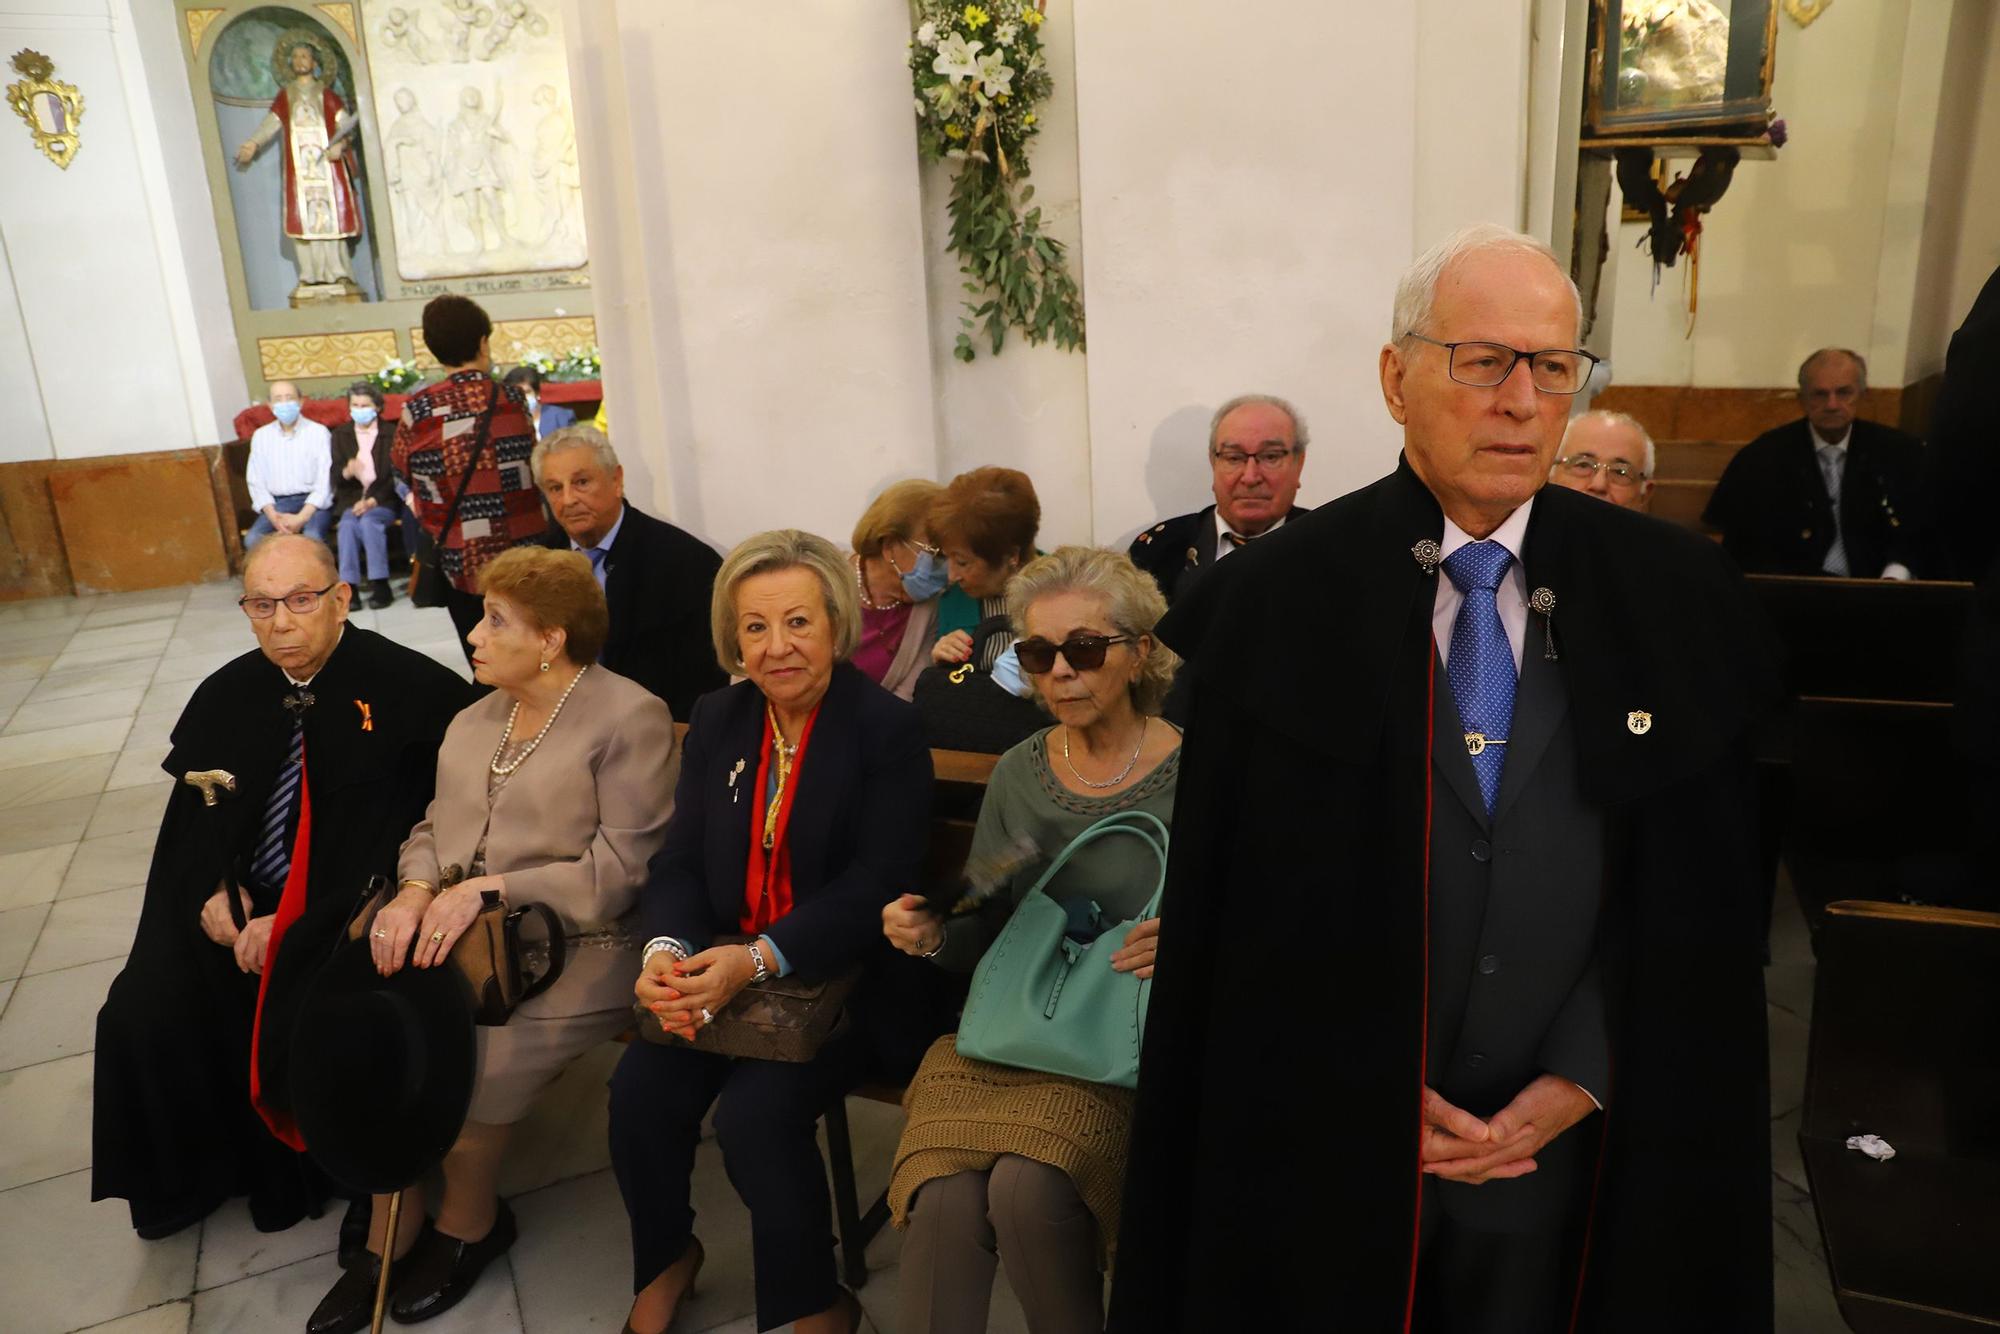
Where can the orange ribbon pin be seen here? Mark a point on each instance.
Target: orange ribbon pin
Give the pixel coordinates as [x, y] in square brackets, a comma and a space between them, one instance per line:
[367, 716]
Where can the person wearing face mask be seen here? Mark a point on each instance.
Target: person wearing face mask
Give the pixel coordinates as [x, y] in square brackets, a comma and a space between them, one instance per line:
[547, 417]
[365, 503]
[898, 576]
[289, 474]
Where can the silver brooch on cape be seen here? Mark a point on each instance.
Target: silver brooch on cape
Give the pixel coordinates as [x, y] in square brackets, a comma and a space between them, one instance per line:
[1544, 601]
[1428, 554]
[736, 793]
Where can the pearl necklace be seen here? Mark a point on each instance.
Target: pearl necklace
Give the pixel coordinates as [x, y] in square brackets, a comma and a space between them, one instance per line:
[1123, 774]
[504, 769]
[861, 586]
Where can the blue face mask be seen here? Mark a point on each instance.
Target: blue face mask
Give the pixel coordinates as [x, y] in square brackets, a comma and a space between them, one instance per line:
[362, 416]
[286, 413]
[927, 578]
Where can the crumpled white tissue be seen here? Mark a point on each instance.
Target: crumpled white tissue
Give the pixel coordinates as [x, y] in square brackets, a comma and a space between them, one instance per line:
[1873, 1145]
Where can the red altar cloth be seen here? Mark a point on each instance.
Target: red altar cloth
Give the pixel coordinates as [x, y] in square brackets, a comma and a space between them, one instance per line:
[331, 412]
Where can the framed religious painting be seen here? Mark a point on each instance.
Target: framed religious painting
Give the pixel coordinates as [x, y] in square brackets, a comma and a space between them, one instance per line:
[1671, 66]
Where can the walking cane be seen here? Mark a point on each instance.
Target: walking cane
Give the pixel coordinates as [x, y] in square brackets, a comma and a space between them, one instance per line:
[388, 1258]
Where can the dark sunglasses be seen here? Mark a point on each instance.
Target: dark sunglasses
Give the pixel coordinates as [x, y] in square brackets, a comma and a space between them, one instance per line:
[1082, 652]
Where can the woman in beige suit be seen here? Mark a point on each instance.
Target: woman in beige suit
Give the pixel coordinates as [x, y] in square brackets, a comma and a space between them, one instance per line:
[555, 788]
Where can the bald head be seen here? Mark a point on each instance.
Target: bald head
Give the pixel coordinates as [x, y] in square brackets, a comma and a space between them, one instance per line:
[282, 391]
[308, 557]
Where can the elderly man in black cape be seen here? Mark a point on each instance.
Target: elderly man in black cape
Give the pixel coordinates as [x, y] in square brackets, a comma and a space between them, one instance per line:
[300, 770]
[1459, 1022]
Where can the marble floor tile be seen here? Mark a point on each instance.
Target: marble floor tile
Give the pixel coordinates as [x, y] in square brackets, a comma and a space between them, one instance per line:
[167, 1318]
[63, 743]
[69, 1263]
[45, 824]
[176, 596]
[233, 1249]
[153, 729]
[75, 659]
[26, 669]
[17, 647]
[86, 930]
[74, 709]
[129, 810]
[53, 1015]
[33, 876]
[6, 992]
[90, 680]
[196, 666]
[167, 695]
[41, 616]
[136, 767]
[19, 929]
[282, 1299]
[113, 861]
[152, 634]
[46, 1109]
[100, 617]
[224, 638]
[11, 695]
[57, 780]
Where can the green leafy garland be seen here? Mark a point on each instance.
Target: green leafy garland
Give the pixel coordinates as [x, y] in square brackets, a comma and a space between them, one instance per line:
[979, 74]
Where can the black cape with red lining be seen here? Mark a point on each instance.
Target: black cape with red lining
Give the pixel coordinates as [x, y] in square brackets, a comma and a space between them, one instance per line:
[1273, 1175]
[174, 1132]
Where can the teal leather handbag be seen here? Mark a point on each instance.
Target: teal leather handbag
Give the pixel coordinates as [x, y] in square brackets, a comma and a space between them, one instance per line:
[1042, 1001]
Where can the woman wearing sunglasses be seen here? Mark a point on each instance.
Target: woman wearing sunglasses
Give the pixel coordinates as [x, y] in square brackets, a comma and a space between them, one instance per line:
[979, 1169]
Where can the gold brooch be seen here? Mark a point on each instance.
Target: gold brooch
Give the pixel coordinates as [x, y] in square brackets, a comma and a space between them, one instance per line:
[1638, 722]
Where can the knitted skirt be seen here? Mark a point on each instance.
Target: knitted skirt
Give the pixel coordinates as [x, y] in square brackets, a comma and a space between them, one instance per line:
[964, 1114]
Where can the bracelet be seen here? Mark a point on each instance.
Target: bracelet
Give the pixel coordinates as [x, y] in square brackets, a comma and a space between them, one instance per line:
[658, 943]
[938, 948]
[757, 962]
[424, 885]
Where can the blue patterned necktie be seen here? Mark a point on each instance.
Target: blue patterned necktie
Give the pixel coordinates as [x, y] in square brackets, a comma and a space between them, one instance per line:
[272, 862]
[596, 557]
[1481, 670]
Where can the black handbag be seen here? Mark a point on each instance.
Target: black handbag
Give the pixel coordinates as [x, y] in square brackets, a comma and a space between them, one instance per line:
[964, 708]
[428, 586]
[492, 953]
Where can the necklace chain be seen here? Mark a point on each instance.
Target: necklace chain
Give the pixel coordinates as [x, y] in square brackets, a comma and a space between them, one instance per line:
[861, 586]
[1125, 773]
[504, 769]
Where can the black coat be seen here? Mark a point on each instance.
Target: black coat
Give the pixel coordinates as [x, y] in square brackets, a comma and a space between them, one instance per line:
[174, 1130]
[347, 490]
[1177, 551]
[858, 837]
[1772, 509]
[1963, 460]
[657, 581]
[1277, 1129]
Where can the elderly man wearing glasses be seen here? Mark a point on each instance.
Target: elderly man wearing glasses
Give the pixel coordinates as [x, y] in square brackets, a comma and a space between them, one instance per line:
[1256, 451]
[299, 769]
[1609, 455]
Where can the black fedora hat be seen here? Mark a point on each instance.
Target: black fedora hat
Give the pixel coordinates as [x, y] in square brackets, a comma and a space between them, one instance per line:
[382, 1069]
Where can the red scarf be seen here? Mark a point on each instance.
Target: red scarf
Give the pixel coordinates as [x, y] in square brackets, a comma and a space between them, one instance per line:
[767, 887]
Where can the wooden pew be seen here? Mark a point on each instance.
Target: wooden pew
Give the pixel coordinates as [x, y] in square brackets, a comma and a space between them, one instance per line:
[1905, 1017]
[1867, 638]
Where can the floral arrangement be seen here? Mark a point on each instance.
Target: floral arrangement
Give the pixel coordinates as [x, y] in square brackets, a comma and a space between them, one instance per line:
[582, 363]
[979, 75]
[542, 363]
[396, 376]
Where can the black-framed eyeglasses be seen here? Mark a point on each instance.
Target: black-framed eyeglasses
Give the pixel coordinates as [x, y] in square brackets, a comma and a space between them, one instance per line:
[1583, 467]
[302, 603]
[1554, 370]
[1234, 460]
[1082, 652]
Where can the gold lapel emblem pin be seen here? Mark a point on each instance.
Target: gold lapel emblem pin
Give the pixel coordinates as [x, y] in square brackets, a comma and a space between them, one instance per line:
[1477, 742]
[1638, 722]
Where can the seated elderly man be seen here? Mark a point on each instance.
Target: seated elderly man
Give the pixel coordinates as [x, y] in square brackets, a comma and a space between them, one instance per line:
[1256, 451]
[288, 473]
[656, 578]
[300, 769]
[1828, 493]
[1609, 455]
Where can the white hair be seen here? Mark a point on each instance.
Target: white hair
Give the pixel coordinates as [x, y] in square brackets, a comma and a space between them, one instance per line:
[1416, 291]
[582, 435]
[1614, 418]
[1299, 437]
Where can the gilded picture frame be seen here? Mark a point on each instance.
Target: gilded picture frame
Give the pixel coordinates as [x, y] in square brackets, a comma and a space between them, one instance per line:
[1671, 66]
[51, 108]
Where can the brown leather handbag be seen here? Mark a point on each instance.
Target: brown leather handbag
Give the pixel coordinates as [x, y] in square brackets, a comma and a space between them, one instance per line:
[778, 1019]
[491, 952]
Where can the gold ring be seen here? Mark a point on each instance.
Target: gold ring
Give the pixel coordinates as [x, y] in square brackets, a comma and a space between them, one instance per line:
[437, 935]
[380, 933]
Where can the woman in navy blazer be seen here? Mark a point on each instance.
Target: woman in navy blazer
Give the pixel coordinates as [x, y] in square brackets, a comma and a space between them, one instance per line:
[803, 807]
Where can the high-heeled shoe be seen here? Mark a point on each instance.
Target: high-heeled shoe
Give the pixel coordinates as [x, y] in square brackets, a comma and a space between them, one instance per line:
[694, 1277]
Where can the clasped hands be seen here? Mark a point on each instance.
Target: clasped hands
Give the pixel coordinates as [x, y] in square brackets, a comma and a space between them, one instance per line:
[1458, 1146]
[913, 928]
[250, 944]
[679, 991]
[434, 921]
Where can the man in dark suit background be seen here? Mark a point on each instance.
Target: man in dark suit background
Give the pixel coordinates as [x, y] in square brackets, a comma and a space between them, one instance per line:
[1256, 450]
[547, 417]
[1827, 494]
[656, 577]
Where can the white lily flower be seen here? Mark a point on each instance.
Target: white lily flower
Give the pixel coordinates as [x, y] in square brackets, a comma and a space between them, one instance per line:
[996, 75]
[958, 58]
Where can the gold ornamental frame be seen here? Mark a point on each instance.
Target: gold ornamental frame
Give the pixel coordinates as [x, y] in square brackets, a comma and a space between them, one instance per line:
[51, 108]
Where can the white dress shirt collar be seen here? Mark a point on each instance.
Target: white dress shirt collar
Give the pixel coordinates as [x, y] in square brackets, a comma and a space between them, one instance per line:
[1223, 546]
[1821, 442]
[605, 541]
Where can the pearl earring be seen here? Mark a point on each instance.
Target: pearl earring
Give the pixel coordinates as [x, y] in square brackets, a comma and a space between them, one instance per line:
[545, 666]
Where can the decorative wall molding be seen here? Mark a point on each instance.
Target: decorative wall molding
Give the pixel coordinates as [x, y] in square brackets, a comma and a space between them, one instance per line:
[308, 355]
[513, 338]
[197, 25]
[344, 16]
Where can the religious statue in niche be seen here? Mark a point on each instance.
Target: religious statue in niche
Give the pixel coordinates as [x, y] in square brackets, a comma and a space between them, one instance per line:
[321, 201]
[472, 169]
[414, 149]
[403, 29]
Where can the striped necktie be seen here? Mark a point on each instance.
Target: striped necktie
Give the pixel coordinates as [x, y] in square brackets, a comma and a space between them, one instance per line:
[272, 862]
[1832, 466]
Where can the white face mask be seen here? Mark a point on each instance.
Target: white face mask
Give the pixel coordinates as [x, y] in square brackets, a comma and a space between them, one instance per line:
[534, 403]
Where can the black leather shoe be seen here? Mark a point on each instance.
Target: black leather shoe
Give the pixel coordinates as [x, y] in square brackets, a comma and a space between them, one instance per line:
[437, 1274]
[354, 1230]
[350, 1304]
[379, 595]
